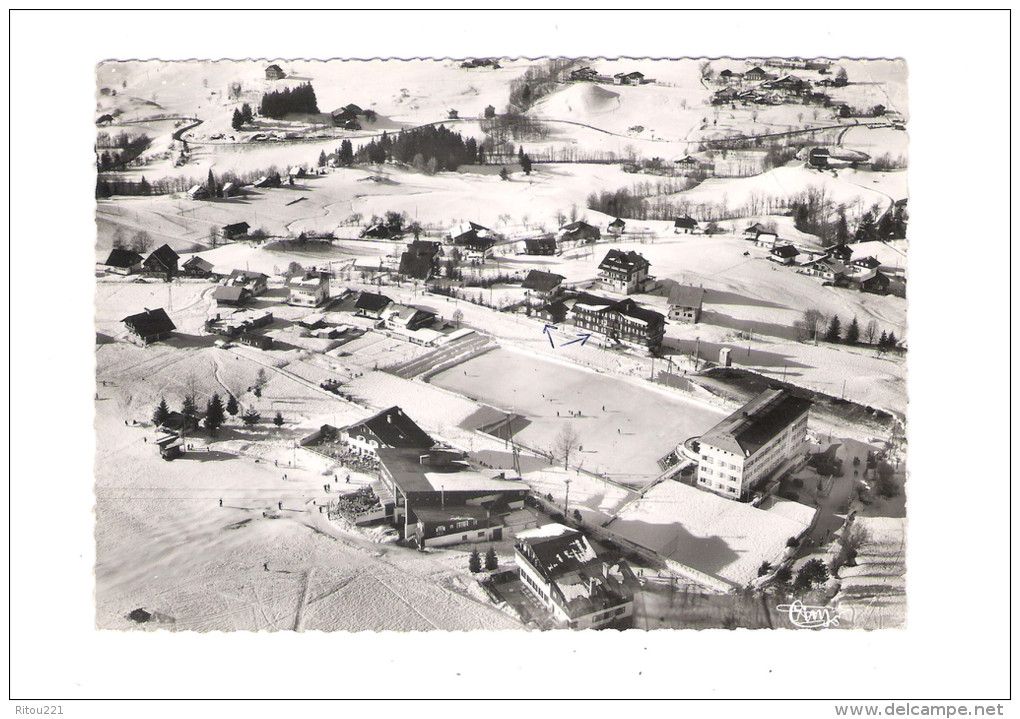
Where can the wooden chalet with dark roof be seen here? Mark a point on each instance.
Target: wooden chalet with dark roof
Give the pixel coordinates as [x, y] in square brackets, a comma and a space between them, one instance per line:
[756, 74]
[685, 224]
[371, 304]
[149, 326]
[420, 260]
[579, 231]
[275, 72]
[231, 296]
[540, 246]
[195, 266]
[235, 230]
[162, 261]
[389, 429]
[784, 254]
[123, 262]
[545, 285]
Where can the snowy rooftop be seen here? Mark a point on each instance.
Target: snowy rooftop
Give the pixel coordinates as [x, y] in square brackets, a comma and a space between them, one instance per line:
[411, 475]
[709, 533]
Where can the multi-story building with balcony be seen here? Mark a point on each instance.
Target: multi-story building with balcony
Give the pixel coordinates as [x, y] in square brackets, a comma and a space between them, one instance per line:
[752, 443]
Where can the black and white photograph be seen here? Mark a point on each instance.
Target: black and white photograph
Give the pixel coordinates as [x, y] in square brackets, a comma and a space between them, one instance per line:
[622, 344]
[566, 343]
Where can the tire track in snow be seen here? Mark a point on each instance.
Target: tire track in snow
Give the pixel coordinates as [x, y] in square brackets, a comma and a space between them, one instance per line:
[410, 606]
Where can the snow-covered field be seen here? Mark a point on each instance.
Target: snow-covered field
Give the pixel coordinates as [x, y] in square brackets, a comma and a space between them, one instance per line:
[623, 426]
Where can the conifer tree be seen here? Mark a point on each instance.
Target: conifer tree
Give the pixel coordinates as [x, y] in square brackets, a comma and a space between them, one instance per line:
[474, 562]
[833, 333]
[237, 120]
[250, 417]
[278, 420]
[188, 408]
[491, 559]
[214, 414]
[232, 407]
[853, 332]
[162, 413]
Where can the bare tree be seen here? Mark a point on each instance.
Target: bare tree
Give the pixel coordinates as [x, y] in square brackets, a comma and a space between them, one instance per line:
[141, 242]
[458, 317]
[871, 331]
[565, 443]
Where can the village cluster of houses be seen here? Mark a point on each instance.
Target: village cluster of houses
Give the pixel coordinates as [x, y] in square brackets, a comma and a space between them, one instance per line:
[757, 87]
[434, 497]
[835, 265]
[587, 74]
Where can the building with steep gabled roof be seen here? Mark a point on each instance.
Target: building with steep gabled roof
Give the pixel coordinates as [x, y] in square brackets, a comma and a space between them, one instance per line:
[231, 296]
[579, 231]
[162, 260]
[543, 284]
[371, 304]
[123, 262]
[149, 326]
[784, 254]
[624, 272]
[685, 303]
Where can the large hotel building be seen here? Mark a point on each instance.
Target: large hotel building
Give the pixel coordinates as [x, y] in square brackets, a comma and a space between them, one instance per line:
[752, 442]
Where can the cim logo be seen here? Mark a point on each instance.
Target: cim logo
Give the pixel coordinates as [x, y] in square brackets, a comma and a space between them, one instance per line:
[807, 616]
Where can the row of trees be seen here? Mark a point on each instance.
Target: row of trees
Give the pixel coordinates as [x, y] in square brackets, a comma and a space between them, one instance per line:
[475, 560]
[140, 242]
[278, 103]
[110, 186]
[537, 82]
[130, 149]
[215, 413]
[812, 324]
[437, 145]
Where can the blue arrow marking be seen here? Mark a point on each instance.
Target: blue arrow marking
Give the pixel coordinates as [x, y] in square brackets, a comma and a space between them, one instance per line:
[581, 338]
[546, 330]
